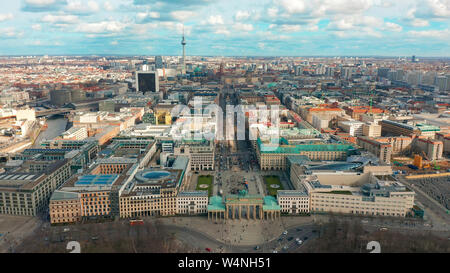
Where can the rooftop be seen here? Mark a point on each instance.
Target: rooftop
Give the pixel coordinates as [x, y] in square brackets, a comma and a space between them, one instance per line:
[96, 180]
[63, 195]
[270, 203]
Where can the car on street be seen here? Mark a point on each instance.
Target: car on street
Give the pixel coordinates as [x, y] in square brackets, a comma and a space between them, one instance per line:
[299, 242]
[257, 247]
[290, 238]
[285, 232]
[208, 249]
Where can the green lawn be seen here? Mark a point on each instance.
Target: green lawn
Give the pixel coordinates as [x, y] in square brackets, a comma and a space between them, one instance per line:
[270, 180]
[207, 180]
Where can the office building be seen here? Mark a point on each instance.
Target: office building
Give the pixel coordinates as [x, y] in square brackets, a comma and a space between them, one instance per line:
[26, 190]
[159, 62]
[147, 82]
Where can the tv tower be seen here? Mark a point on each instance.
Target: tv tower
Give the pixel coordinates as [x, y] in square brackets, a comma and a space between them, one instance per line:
[183, 43]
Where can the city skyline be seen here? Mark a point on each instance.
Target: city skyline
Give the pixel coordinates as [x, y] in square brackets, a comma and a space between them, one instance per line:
[226, 28]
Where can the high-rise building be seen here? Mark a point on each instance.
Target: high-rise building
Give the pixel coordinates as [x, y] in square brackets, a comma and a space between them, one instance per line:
[147, 82]
[441, 82]
[298, 70]
[383, 72]
[159, 62]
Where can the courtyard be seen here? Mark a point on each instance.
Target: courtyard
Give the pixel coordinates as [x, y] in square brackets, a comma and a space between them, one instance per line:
[273, 184]
[205, 182]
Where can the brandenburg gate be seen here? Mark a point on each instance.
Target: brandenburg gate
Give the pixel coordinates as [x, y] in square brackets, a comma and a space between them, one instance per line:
[243, 206]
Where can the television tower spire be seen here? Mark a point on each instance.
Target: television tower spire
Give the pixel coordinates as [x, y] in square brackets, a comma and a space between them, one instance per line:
[183, 43]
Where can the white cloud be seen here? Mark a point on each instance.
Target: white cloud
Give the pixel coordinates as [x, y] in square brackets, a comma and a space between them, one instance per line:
[222, 30]
[261, 45]
[60, 19]
[80, 7]
[101, 27]
[213, 20]
[243, 27]
[433, 9]
[182, 15]
[393, 27]
[438, 34]
[108, 6]
[293, 6]
[36, 27]
[178, 27]
[6, 17]
[411, 19]
[142, 29]
[361, 33]
[10, 32]
[419, 23]
[353, 22]
[114, 43]
[149, 14]
[316, 8]
[242, 15]
[272, 12]
[290, 28]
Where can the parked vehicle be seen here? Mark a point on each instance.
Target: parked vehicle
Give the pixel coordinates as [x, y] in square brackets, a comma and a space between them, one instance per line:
[136, 222]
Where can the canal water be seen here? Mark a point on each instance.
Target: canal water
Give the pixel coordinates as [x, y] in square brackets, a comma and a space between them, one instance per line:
[56, 126]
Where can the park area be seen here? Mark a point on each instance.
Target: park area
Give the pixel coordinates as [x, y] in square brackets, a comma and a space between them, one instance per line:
[273, 184]
[205, 182]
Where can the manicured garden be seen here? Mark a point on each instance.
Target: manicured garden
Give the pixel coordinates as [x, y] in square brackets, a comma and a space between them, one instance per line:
[207, 182]
[273, 184]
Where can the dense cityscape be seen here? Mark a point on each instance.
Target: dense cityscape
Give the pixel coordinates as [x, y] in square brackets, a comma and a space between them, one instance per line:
[224, 154]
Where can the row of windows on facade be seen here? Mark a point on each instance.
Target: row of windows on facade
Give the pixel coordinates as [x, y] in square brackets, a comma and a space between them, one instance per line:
[351, 207]
[368, 212]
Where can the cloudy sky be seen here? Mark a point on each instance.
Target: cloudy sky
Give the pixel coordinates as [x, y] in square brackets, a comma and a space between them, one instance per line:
[226, 27]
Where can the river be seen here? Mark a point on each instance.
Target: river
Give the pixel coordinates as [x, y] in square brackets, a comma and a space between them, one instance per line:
[56, 126]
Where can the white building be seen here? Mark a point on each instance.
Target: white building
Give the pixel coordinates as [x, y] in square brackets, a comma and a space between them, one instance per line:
[75, 133]
[353, 127]
[192, 203]
[293, 201]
